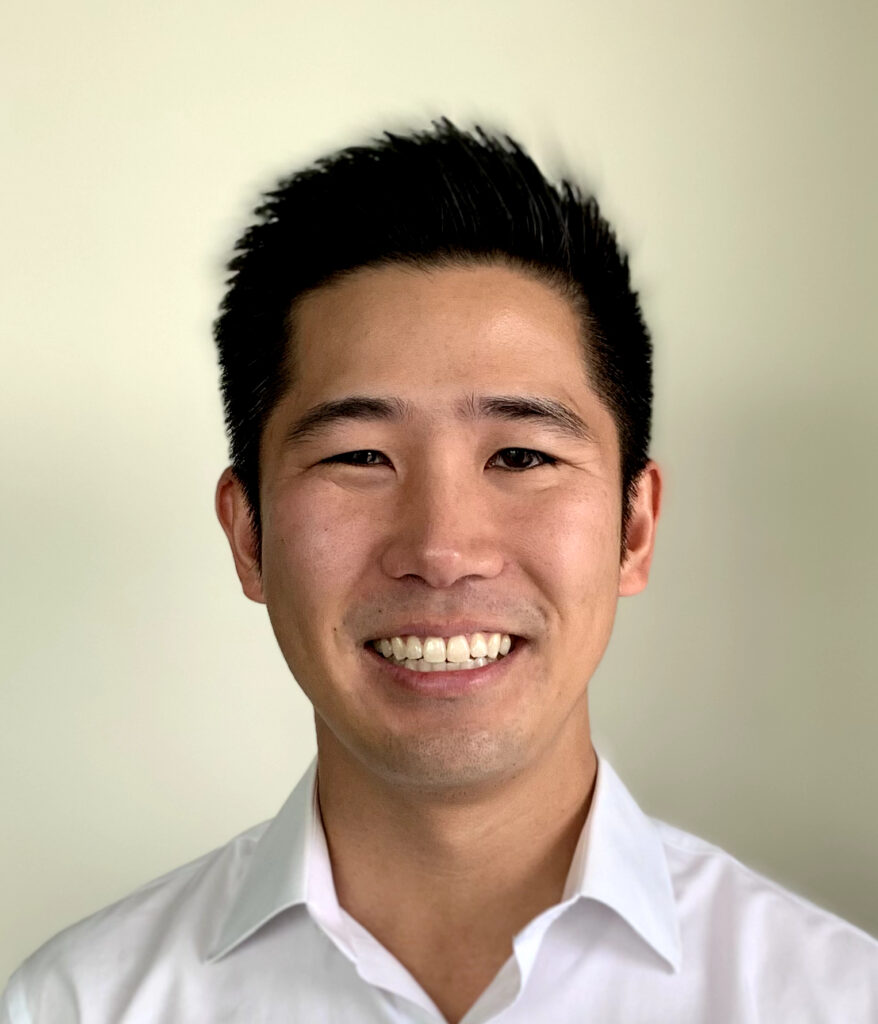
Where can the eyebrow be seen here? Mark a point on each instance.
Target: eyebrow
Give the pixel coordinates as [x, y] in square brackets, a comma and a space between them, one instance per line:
[548, 412]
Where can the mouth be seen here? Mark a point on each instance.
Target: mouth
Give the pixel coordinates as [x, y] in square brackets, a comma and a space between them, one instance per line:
[445, 666]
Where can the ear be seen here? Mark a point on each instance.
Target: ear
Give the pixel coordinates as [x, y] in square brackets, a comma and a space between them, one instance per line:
[640, 539]
[233, 512]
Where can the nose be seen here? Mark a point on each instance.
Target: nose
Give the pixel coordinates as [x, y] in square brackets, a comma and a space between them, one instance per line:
[445, 529]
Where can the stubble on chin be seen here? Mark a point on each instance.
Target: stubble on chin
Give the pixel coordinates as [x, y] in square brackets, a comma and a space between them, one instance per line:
[450, 763]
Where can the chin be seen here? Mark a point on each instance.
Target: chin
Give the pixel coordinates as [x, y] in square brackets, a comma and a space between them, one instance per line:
[448, 761]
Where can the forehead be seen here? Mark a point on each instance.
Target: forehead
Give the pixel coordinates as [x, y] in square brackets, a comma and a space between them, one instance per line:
[404, 327]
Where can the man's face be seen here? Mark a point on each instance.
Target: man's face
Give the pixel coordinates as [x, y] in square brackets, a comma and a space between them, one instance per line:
[442, 516]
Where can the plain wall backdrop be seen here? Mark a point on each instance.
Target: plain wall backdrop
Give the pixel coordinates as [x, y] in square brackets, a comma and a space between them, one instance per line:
[146, 713]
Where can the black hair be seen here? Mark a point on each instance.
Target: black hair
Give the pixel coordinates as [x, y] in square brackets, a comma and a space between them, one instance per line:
[440, 196]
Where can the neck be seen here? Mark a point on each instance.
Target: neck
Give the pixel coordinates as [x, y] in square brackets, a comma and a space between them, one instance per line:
[439, 875]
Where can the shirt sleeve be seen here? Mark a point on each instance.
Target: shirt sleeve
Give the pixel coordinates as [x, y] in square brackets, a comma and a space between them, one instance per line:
[13, 1005]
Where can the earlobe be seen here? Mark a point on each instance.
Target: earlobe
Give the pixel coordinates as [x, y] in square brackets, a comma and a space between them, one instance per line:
[233, 512]
[640, 539]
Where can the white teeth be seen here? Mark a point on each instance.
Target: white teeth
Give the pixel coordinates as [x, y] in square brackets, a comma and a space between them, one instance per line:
[434, 653]
[420, 665]
[478, 646]
[413, 648]
[457, 649]
[434, 649]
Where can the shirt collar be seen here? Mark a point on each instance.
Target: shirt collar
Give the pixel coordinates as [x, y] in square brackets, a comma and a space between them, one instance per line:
[619, 861]
[276, 876]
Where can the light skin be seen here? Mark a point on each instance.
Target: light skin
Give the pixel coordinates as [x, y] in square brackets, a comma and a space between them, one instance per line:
[476, 798]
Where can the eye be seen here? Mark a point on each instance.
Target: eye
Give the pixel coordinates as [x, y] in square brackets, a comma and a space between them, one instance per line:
[516, 460]
[519, 459]
[363, 457]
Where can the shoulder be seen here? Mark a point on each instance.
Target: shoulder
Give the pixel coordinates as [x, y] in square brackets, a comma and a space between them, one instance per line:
[170, 919]
[792, 952]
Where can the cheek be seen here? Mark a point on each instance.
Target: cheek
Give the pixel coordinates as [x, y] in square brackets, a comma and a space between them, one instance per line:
[310, 539]
[572, 544]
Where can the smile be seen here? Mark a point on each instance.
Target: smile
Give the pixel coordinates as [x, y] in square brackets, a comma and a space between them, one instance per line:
[441, 654]
[446, 680]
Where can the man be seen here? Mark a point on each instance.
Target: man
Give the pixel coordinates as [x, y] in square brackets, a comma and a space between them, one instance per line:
[438, 393]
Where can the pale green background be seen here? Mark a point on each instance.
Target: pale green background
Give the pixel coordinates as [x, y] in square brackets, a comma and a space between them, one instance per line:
[146, 713]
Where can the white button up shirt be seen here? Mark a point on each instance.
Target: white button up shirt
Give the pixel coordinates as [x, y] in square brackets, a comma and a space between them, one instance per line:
[655, 927]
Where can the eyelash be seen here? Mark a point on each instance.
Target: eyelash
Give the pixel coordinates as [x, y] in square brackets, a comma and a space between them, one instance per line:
[547, 460]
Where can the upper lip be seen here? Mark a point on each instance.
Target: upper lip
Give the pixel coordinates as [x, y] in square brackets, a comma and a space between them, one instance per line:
[461, 627]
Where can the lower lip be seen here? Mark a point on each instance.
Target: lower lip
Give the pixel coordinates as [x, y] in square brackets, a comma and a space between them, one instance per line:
[449, 683]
